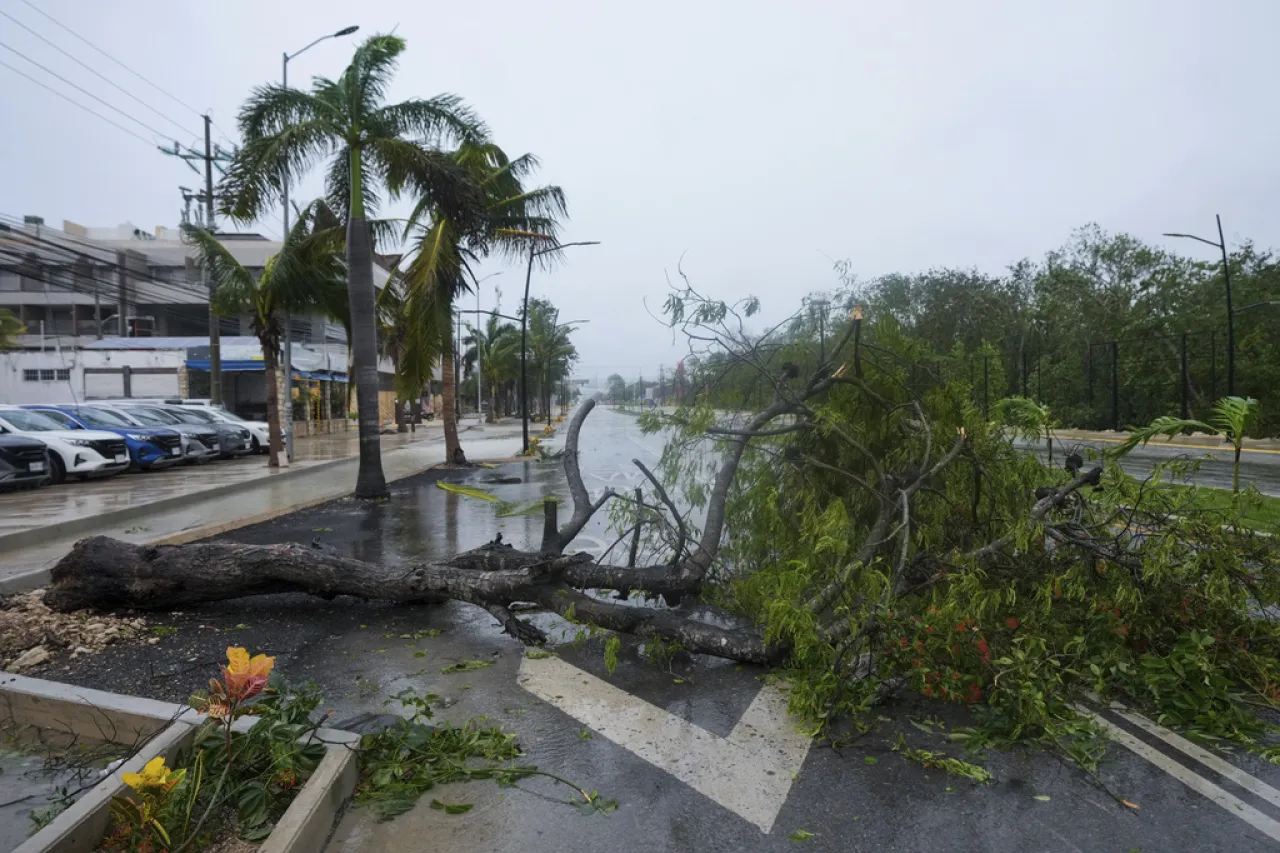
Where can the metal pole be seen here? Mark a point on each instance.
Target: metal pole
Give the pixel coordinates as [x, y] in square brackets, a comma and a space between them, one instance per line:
[215, 332]
[1115, 385]
[524, 377]
[288, 319]
[551, 350]
[1231, 314]
[1186, 381]
[479, 362]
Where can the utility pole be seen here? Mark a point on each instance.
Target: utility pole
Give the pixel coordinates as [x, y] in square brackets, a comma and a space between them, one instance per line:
[1221, 246]
[212, 155]
[215, 332]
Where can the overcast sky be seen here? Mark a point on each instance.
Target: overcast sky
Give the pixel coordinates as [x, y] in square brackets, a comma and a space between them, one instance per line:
[763, 138]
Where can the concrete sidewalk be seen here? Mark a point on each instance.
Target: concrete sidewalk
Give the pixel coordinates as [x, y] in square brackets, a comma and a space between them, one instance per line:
[194, 513]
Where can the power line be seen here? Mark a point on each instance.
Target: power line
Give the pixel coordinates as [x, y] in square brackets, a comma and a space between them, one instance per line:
[69, 100]
[159, 133]
[95, 72]
[175, 98]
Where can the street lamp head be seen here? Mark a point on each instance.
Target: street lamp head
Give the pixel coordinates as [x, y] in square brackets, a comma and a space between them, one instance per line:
[346, 31]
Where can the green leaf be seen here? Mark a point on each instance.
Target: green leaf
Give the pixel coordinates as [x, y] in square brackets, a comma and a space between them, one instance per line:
[1044, 798]
[466, 666]
[468, 491]
[870, 759]
[801, 835]
[452, 808]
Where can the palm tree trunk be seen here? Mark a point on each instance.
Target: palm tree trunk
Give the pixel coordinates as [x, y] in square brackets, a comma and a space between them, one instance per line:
[401, 425]
[452, 447]
[370, 481]
[271, 365]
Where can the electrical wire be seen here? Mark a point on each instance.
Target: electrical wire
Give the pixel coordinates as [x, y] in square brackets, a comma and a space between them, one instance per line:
[70, 100]
[97, 73]
[174, 98]
[78, 87]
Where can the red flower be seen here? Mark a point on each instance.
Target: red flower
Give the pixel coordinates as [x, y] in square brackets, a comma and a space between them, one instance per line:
[983, 650]
[928, 629]
[928, 691]
[1012, 623]
[975, 694]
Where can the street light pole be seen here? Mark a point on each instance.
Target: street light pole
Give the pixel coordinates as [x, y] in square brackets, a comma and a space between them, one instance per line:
[288, 319]
[1221, 245]
[524, 334]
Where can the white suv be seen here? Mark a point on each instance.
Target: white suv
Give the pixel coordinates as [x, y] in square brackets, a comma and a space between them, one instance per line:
[81, 453]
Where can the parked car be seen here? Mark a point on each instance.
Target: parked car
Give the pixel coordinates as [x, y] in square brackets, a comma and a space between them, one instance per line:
[259, 432]
[150, 448]
[233, 440]
[24, 462]
[199, 443]
[73, 451]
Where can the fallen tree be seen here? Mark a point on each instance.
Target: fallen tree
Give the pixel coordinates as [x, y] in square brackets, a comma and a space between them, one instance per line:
[871, 526]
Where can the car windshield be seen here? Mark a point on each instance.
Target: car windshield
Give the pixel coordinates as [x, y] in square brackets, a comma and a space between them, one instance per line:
[223, 416]
[193, 416]
[102, 418]
[151, 417]
[21, 419]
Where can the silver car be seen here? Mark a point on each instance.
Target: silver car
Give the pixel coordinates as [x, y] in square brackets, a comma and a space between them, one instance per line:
[199, 443]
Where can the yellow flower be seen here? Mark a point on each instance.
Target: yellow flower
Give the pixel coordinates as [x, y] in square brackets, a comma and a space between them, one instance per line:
[154, 775]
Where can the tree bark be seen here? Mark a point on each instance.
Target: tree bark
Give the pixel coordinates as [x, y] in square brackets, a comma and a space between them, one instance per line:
[371, 483]
[452, 446]
[271, 365]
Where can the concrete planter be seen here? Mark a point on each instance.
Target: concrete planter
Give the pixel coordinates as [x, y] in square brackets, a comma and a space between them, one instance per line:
[167, 728]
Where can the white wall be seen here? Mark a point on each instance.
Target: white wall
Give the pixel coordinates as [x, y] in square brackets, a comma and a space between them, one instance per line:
[80, 386]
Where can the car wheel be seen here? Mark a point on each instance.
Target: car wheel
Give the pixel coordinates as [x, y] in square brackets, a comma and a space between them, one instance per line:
[84, 478]
[257, 448]
[57, 470]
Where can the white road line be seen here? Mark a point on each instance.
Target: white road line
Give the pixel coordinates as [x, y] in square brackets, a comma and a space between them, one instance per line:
[749, 772]
[1252, 784]
[1194, 781]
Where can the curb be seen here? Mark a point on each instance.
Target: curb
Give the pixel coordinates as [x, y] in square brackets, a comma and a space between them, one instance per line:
[37, 578]
[39, 535]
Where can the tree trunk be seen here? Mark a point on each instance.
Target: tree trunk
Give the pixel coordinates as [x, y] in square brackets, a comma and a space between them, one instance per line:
[492, 416]
[370, 481]
[271, 365]
[453, 448]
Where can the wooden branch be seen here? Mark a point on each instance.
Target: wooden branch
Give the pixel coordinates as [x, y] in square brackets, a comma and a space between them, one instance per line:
[743, 644]
[675, 513]
[583, 508]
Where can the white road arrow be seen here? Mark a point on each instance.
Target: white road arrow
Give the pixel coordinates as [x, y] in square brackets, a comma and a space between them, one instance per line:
[749, 772]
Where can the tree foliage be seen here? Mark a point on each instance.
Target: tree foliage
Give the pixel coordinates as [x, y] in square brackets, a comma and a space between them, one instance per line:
[890, 536]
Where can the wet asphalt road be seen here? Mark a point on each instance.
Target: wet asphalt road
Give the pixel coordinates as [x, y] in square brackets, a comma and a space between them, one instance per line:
[865, 797]
[1261, 468]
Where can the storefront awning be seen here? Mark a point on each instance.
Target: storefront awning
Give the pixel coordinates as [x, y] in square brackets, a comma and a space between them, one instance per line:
[244, 365]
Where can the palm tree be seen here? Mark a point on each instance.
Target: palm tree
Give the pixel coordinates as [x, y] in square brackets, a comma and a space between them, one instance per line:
[1232, 418]
[550, 351]
[497, 347]
[10, 328]
[501, 216]
[373, 146]
[307, 274]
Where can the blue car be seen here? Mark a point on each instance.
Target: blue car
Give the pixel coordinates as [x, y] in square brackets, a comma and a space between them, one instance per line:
[150, 448]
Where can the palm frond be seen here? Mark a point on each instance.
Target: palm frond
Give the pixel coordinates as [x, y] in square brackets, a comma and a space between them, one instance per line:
[1167, 426]
[367, 78]
[255, 179]
[1234, 416]
[433, 122]
[235, 291]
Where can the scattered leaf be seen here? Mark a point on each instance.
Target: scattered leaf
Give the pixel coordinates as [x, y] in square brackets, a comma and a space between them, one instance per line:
[1044, 798]
[468, 491]
[800, 835]
[466, 666]
[452, 808]
[584, 735]
[538, 654]
[870, 759]
[1129, 804]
